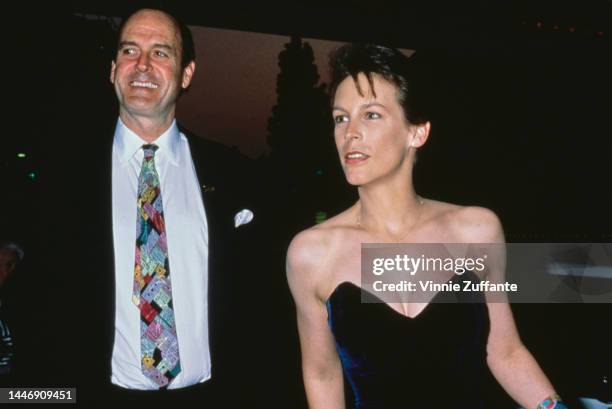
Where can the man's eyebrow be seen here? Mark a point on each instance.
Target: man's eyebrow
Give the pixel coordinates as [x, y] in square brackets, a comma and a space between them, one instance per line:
[156, 45]
[124, 43]
[165, 46]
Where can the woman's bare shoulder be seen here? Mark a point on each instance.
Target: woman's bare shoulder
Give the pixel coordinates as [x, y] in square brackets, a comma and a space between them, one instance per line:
[310, 250]
[470, 224]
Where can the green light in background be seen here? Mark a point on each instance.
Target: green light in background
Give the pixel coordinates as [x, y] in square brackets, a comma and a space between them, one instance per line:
[320, 217]
[32, 175]
[21, 155]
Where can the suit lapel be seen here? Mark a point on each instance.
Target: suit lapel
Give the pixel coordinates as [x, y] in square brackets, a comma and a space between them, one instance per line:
[218, 240]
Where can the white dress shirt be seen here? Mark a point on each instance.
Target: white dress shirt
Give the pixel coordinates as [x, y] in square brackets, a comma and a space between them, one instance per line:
[187, 235]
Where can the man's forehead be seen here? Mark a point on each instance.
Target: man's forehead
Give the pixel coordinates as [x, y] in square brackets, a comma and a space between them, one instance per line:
[152, 24]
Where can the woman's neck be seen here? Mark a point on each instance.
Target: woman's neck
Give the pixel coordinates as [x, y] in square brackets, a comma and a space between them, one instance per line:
[389, 209]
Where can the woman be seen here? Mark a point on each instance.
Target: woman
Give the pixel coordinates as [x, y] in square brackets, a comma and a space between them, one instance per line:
[401, 355]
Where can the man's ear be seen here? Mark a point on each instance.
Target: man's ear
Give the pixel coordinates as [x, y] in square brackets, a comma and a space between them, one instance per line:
[188, 74]
[112, 72]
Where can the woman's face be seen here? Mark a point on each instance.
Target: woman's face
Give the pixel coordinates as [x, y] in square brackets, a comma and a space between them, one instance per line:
[372, 135]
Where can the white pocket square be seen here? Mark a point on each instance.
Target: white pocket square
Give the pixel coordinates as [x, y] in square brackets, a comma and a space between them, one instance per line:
[243, 217]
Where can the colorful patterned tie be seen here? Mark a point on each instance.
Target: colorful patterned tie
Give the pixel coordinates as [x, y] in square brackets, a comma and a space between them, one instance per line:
[152, 288]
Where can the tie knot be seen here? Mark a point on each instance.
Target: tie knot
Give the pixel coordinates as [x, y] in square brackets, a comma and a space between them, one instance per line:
[149, 150]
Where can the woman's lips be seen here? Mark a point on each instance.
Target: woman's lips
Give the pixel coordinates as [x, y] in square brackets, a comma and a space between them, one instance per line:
[355, 157]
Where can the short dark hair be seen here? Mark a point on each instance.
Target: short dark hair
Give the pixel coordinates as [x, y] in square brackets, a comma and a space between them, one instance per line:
[188, 53]
[389, 63]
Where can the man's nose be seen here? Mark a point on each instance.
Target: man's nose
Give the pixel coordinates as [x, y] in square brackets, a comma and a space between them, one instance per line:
[143, 63]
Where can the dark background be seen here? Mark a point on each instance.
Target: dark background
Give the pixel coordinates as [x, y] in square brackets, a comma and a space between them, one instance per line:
[519, 97]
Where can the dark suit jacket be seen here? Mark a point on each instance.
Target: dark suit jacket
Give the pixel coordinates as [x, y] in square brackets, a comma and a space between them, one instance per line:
[81, 291]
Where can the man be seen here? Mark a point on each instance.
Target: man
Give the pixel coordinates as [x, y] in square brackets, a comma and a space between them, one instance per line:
[165, 312]
[10, 256]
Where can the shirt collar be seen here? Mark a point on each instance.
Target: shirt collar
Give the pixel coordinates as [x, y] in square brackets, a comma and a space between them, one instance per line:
[128, 143]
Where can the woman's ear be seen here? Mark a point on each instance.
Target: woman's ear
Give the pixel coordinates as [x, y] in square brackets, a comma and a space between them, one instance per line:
[420, 135]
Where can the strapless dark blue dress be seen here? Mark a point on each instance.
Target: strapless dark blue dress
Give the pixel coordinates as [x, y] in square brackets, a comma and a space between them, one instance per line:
[435, 360]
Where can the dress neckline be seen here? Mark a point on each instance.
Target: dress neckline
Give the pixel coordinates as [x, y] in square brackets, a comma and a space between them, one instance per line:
[378, 300]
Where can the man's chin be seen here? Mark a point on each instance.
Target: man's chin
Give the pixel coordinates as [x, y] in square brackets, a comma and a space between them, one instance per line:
[137, 99]
[141, 108]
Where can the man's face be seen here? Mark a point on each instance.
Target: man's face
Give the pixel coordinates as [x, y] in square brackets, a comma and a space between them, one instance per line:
[147, 72]
[8, 262]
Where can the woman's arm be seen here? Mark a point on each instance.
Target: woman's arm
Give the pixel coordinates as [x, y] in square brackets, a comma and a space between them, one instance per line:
[321, 366]
[509, 360]
[511, 363]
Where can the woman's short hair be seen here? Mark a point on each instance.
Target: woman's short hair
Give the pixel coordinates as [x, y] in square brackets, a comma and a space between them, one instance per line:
[389, 63]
